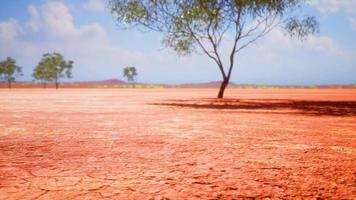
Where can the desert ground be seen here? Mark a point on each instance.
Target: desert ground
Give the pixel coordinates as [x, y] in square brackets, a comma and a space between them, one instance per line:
[177, 144]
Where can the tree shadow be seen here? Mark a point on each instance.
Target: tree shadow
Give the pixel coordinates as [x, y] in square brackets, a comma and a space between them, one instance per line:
[280, 106]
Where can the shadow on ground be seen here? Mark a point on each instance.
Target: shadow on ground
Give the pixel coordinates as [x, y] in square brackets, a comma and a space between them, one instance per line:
[331, 108]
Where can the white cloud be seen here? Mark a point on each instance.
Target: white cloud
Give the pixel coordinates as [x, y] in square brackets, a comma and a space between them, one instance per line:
[326, 45]
[352, 22]
[95, 5]
[323, 44]
[327, 7]
[58, 19]
[88, 43]
[279, 39]
[333, 6]
[34, 22]
[9, 30]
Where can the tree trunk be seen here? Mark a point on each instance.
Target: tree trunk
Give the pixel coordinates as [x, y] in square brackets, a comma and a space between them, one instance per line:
[9, 83]
[56, 82]
[222, 88]
[44, 84]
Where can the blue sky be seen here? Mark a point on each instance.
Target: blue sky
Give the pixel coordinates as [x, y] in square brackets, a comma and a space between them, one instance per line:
[85, 32]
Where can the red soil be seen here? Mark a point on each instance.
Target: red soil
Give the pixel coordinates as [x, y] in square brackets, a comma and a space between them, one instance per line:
[177, 144]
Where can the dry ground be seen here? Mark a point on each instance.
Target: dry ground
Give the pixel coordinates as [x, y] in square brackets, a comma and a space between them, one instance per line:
[177, 144]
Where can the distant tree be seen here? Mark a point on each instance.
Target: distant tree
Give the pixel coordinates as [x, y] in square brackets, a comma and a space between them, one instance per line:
[130, 73]
[52, 67]
[188, 25]
[9, 70]
[44, 72]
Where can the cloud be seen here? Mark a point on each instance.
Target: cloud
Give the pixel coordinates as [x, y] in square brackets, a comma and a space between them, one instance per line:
[324, 44]
[51, 28]
[333, 6]
[58, 19]
[352, 22]
[34, 22]
[277, 39]
[321, 44]
[9, 30]
[95, 5]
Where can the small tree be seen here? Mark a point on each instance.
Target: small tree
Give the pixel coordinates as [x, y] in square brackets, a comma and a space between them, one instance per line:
[52, 67]
[188, 25]
[44, 72]
[130, 73]
[9, 70]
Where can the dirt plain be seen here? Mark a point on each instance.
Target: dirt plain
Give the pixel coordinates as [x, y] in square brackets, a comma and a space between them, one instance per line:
[177, 144]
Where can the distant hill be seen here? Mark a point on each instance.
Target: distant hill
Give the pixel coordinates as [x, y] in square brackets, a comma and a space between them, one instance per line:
[211, 84]
[107, 82]
[93, 84]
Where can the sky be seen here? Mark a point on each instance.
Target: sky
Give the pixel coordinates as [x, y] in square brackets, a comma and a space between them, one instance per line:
[84, 31]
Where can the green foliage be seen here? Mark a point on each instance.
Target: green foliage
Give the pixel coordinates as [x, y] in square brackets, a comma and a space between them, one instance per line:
[9, 70]
[183, 20]
[302, 28]
[44, 71]
[130, 73]
[190, 25]
[52, 67]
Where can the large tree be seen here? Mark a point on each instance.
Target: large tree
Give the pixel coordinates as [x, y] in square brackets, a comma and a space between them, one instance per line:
[190, 25]
[52, 67]
[9, 70]
[130, 73]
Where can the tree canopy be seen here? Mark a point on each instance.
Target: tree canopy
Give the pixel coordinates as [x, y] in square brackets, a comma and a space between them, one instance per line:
[44, 72]
[52, 67]
[9, 70]
[130, 73]
[191, 25]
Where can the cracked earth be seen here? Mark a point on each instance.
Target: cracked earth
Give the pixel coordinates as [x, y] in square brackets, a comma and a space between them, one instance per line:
[177, 144]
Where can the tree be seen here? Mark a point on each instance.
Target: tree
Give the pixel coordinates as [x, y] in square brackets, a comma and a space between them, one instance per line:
[191, 25]
[52, 67]
[9, 70]
[130, 73]
[44, 72]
